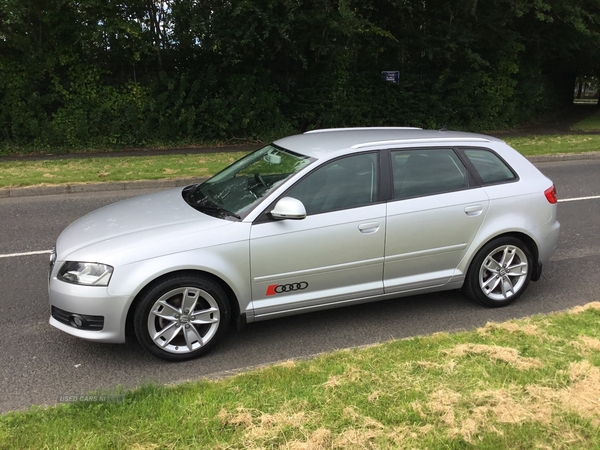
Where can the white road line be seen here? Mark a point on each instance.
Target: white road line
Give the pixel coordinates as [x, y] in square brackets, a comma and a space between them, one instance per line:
[594, 197]
[14, 255]
[44, 252]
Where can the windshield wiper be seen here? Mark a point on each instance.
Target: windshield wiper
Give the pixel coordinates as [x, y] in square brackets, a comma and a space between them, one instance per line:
[219, 209]
[203, 203]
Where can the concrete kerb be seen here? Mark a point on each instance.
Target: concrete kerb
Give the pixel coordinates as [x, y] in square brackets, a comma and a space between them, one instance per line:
[176, 182]
[96, 187]
[564, 157]
[37, 190]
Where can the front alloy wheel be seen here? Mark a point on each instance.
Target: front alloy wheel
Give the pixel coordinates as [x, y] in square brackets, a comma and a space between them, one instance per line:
[500, 272]
[181, 317]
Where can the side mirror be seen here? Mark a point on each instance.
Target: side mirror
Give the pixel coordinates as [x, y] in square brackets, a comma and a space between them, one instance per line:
[272, 158]
[288, 208]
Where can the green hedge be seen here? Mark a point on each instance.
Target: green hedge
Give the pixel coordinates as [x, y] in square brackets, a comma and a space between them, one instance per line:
[92, 73]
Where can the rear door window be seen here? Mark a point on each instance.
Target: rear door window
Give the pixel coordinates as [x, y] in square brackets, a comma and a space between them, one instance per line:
[427, 171]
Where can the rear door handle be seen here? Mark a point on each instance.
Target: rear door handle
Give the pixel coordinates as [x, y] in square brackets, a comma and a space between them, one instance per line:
[474, 210]
[367, 228]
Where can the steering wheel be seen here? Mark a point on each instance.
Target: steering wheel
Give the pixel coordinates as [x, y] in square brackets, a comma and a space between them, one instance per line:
[258, 177]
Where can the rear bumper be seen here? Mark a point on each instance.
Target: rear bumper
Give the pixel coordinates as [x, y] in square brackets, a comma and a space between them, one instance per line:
[547, 238]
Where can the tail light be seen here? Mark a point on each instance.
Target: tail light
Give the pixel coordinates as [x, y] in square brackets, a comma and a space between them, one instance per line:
[550, 194]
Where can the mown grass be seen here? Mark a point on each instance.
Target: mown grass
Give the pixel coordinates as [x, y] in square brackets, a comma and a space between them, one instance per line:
[530, 383]
[133, 168]
[590, 123]
[90, 170]
[536, 145]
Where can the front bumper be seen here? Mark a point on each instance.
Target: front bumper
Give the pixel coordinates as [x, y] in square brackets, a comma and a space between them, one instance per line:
[88, 312]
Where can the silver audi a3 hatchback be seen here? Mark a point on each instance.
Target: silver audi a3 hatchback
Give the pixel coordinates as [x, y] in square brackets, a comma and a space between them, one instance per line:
[319, 220]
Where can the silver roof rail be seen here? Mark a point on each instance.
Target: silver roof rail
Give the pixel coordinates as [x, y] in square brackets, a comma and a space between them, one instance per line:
[422, 140]
[325, 130]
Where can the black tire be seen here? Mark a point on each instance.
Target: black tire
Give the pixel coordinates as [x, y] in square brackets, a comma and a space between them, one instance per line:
[181, 317]
[499, 273]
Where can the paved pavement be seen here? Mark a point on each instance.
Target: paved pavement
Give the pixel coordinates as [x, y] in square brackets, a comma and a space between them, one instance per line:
[78, 188]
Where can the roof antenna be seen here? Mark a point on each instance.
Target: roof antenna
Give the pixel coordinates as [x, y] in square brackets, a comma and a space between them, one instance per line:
[444, 128]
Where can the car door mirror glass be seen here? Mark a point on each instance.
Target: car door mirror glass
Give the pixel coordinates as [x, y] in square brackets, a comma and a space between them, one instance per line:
[288, 208]
[272, 158]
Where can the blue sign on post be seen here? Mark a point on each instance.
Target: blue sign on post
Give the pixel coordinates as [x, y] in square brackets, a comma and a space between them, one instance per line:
[391, 76]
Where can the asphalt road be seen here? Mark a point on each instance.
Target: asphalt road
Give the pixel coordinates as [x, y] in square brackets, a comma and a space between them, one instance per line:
[39, 363]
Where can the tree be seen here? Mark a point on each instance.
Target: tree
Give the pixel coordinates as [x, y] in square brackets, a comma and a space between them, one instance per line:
[129, 72]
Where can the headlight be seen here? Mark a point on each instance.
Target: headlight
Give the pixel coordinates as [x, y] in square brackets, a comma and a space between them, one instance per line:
[88, 274]
[52, 261]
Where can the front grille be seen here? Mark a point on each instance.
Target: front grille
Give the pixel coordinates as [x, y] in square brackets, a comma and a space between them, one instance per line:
[79, 321]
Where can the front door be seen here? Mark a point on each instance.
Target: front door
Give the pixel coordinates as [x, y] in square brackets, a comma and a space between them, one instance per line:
[335, 254]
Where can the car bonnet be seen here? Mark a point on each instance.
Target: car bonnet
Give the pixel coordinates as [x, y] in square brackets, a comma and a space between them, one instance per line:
[148, 219]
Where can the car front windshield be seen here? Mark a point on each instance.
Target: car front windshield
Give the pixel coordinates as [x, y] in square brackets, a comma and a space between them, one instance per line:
[238, 188]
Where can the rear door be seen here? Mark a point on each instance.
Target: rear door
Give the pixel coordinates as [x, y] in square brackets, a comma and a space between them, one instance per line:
[435, 213]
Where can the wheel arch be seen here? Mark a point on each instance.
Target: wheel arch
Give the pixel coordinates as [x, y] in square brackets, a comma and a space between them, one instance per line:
[523, 237]
[472, 286]
[233, 300]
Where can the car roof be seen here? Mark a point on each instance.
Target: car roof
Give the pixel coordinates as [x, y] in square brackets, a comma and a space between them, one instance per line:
[330, 142]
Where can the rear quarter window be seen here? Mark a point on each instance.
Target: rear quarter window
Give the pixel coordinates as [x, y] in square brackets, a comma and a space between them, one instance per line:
[489, 166]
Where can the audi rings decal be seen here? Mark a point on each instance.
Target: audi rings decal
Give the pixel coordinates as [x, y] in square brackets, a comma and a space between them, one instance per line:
[282, 288]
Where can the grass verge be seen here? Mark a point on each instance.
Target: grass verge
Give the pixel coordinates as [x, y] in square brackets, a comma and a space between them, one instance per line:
[590, 123]
[530, 383]
[94, 170]
[536, 145]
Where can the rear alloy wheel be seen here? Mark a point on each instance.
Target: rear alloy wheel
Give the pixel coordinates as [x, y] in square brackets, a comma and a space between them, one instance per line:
[499, 273]
[182, 317]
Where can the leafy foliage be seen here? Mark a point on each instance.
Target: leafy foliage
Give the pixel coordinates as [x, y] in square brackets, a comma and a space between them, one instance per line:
[77, 73]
